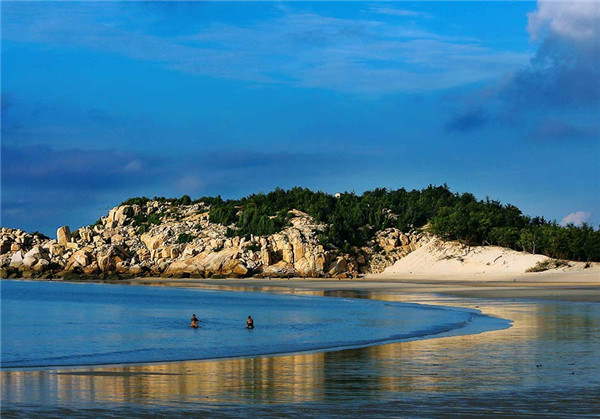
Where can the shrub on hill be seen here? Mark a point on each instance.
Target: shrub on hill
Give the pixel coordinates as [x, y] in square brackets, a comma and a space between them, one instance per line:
[185, 238]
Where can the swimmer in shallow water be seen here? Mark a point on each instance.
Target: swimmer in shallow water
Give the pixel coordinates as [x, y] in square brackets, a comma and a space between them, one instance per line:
[194, 322]
[249, 323]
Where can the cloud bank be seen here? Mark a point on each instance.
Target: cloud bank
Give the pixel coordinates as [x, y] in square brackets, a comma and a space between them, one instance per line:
[563, 75]
[566, 68]
[576, 218]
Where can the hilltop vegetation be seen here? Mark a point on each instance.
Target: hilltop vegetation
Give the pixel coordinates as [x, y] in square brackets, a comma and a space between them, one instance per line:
[298, 233]
[352, 220]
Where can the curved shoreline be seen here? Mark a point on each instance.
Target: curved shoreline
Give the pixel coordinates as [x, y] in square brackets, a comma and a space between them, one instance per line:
[544, 286]
[544, 346]
[582, 286]
[434, 335]
[484, 323]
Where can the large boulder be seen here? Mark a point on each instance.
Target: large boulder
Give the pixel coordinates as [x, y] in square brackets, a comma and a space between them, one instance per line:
[226, 262]
[120, 216]
[136, 270]
[36, 252]
[288, 253]
[63, 235]
[17, 259]
[29, 261]
[153, 242]
[56, 249]
[80, 259]
[338, 266]
[281, 269]
[109, 258]
[40, 265]
[117, 239]
[188, 266]
[219, 263]
[106, 261]
[86, 234]
[304, 267]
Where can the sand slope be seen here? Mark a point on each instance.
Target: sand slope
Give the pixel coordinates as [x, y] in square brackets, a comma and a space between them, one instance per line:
[451, 258]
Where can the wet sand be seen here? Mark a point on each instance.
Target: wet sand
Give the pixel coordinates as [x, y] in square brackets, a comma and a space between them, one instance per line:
[560, 287]
[548, 363]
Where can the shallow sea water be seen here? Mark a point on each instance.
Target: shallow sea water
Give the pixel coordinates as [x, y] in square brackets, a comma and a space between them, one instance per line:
[72, 324]
[546, 364]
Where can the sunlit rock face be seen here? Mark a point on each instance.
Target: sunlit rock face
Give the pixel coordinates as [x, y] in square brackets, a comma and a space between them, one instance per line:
[164, 239]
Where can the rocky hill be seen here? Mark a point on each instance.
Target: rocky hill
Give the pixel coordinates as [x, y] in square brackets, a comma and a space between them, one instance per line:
[167, 239]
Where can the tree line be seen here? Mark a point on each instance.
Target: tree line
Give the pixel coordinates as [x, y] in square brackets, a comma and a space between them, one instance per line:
[352, 220]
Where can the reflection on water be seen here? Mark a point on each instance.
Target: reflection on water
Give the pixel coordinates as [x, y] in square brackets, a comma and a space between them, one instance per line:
[101, 324]
[548, 362]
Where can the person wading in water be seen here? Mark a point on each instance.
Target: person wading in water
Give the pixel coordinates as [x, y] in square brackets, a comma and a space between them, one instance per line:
[194, 322]
[249, 323]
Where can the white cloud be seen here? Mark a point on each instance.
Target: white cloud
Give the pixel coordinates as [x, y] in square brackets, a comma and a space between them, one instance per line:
[578, 20]
[399, 12]
[565, 70]
[133, 166]
[576, 218]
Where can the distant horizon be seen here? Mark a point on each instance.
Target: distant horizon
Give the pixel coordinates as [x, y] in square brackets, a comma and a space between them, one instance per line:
[105, 101]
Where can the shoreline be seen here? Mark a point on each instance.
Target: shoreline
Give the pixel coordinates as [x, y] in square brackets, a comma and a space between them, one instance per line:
[578, 286]
[241, 287]
[573, 287]
[470, 288]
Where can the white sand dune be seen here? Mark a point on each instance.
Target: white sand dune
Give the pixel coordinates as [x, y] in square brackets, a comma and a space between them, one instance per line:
[438, 258]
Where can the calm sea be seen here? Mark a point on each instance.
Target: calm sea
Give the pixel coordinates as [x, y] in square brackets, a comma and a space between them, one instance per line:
[70, 324]
[546, 364]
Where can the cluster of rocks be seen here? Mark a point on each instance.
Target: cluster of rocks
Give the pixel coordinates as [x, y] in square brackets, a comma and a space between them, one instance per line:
[163, 239]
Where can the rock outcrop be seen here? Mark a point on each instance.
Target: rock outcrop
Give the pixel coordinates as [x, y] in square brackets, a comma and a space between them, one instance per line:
[63, 235]
[162, 239]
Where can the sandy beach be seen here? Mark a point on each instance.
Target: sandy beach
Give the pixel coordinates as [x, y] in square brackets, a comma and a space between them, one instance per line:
[561, 286]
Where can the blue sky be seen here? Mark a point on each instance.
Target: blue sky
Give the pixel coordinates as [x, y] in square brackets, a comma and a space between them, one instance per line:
[104, 101]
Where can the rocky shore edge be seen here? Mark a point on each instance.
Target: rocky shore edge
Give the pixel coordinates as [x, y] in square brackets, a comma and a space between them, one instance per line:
[161, 239]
